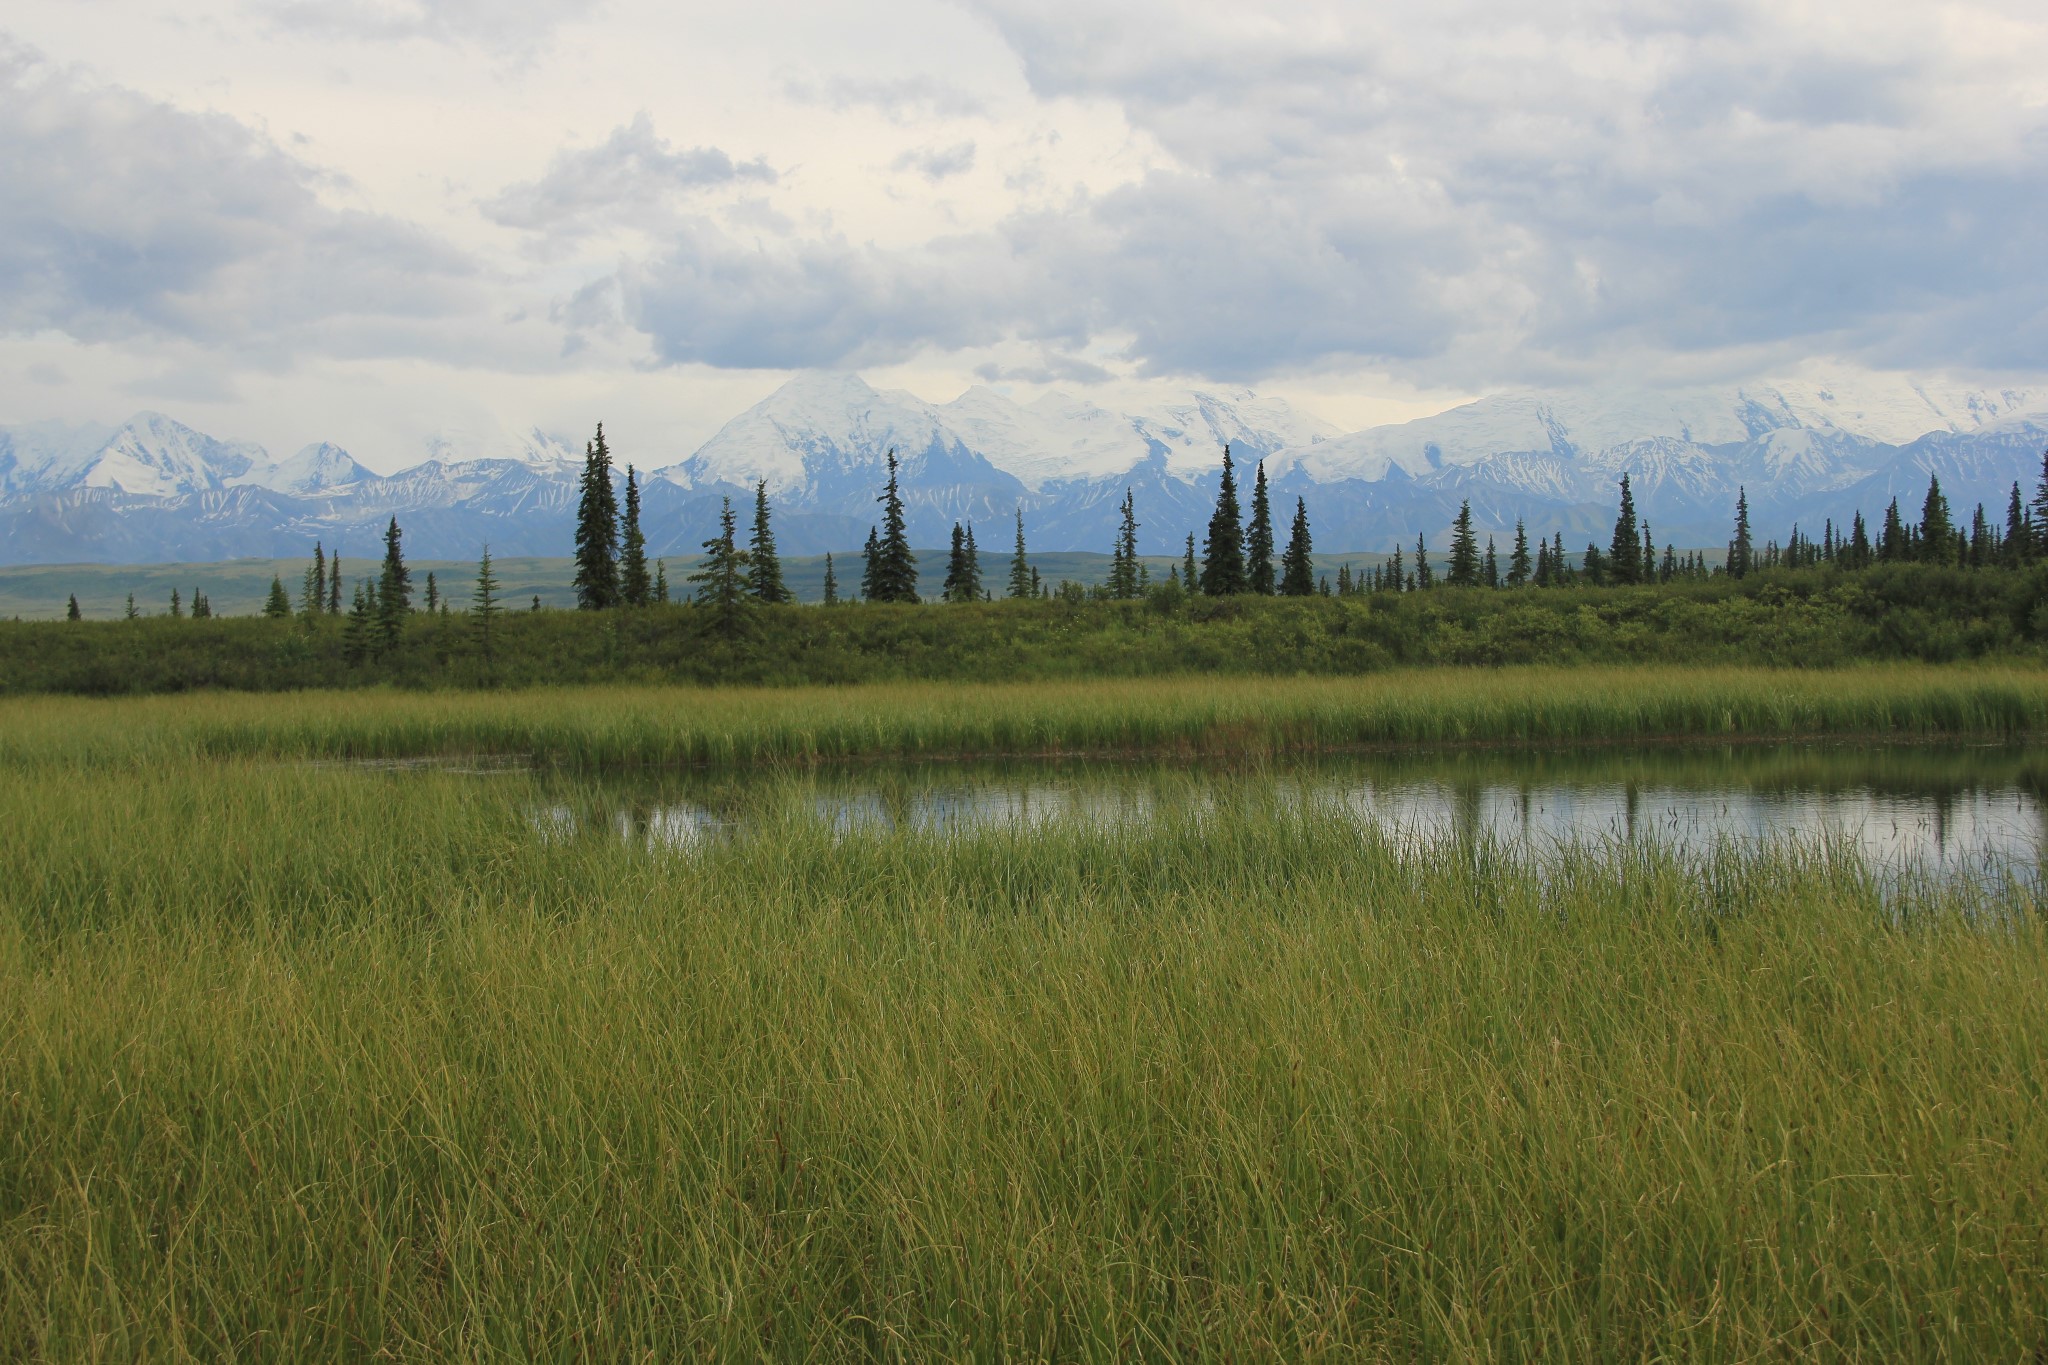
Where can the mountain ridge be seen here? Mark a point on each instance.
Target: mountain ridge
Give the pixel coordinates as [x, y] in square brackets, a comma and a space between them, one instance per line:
[1805, 451]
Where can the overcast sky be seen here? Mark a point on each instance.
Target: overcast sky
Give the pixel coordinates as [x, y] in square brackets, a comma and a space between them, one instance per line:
[366, 220]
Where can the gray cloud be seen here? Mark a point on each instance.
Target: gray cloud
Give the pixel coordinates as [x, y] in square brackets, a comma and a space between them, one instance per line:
[125, 218]
[936, 163]
[631, 176]
[1052, 368]
[902, 99]
[509, 25]
[1471, 191]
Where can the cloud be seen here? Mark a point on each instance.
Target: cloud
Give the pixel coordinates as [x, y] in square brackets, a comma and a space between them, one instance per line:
[631, 177]
[903, 99]
[936, 163]
[1052, 368]
[505, 25]
[1463, 191]
[126, 218]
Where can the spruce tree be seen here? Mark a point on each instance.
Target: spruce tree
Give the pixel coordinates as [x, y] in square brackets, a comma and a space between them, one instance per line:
[132, 614]
[2040, 510]
[895, 568]
[1741, 553]
[635, 589]
[1020, 566]
[1223, 551]
[1464, 566]
[1491, 575]
[1891, 539]
[394, 588]
[1425, 577]
[2018, 546]
[1518, 558]
[483, 606]
[71, 612]
[1187, 567]
[1625, 550]
[1344, 580]
[974, 589]
[764, 566]
[1258, 540]
[279, 604]
[722, 577]
[1123, 561]
[334, 585]
[956, 568]
[870, 561]
[597, 529]
[661, 581]
[1297, 568]
[1859, 543]
[1396, 578]
[1937, 535]
[831, 583]
[355, 636]
[313, 592]
[177, 608]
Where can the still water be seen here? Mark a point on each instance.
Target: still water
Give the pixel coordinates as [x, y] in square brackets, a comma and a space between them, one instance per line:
[1956, 809]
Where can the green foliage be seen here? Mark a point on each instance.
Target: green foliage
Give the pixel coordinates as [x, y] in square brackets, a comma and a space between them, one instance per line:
[1297, 577]
[1463, 570]
[891, 574]
[393, 602]
[278, 607]
[722, 579]
[1022, 582]
[1258, 539]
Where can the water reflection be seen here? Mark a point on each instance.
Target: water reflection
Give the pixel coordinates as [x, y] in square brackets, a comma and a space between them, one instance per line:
[1944, 807]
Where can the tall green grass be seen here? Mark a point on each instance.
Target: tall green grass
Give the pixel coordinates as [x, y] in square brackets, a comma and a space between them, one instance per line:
[302, 1063]
[668, 726]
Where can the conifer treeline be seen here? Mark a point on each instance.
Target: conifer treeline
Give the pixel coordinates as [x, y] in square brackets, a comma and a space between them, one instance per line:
[1237, 557]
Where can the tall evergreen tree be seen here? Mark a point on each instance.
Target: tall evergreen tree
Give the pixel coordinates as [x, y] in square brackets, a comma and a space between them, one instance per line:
[2040, 510]
[1187, 567]
[764, 565]
[334, 585]
[1123, 560]
[177, 606]
[1859, 543]
[433, 592]
[661, 581]
[279, 604]
[2018, 546]
[1464, 566]
[831, 583]
[722, 577]
[313, 594]
[1491, 574]
[1223, 551]
[956, 568]
[1425, 576]
[973, 567]
[72, 613]
[1937, 534]
[1297, 568]
[635, 588]
[870, 560]
[394, 588]
[895, 568]
[1625, 550]
[1518, 558]
[132, 614]
[1396, 577]
[1258, 540]
[1892, 541]
[483, 606]
[1741, 552]
[597, 529]
[1020, 565]
[355, 637]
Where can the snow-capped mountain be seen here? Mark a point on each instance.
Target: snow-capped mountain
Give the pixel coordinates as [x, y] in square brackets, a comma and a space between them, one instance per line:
[1804, 450]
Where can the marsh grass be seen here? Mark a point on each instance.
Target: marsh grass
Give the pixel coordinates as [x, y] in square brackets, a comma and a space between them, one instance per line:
[302, 1063]
[653, 727]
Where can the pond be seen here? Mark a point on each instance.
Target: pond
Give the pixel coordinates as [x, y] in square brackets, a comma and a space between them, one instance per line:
[1948, 808]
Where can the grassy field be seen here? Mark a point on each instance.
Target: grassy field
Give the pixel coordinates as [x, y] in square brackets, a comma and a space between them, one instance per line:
[305, 1060]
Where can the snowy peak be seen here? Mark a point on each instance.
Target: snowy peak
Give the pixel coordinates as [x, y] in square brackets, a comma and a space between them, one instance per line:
[816, 425]
[541, 450]
[317, 468]
[153, 456]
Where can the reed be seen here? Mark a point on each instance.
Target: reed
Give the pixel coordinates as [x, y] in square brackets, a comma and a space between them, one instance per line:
[304, 1062]
[665, 726]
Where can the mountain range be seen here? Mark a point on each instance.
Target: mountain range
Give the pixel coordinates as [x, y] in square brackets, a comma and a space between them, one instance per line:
[154, 490]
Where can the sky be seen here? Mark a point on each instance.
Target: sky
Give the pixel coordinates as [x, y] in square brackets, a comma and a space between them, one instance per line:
[368, 221]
